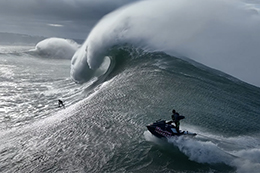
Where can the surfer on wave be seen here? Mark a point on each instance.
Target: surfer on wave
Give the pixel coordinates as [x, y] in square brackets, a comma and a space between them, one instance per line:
[60, 102]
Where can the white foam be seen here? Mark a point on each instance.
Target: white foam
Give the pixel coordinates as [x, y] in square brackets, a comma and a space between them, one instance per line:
[81, 72]
[218, 33]
[241, 152]
[201, 151]
[56, 48]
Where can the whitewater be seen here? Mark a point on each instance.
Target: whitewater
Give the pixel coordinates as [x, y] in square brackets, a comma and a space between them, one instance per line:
[223, 35]
[137, 64]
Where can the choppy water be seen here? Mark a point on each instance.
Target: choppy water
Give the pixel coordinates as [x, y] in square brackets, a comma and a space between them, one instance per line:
[136, 65]
[103, 128]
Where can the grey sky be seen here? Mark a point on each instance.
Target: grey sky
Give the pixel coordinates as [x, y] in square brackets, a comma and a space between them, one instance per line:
[61, 18]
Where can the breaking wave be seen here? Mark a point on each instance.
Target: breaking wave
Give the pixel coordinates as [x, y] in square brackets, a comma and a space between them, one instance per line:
[220, 34]
[56, 48]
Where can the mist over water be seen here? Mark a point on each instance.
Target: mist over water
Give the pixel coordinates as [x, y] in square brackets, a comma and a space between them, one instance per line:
[223, 35]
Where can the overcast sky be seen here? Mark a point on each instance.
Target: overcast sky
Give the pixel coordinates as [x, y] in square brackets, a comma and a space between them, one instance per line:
[60, 18]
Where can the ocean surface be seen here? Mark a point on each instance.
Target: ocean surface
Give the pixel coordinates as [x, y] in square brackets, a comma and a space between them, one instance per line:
[110, 99]
[103, 127]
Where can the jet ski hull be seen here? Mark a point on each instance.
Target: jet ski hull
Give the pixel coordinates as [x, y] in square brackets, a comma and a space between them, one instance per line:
[161, 129]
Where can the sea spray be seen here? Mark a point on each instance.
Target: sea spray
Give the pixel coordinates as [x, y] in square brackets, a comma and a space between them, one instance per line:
[248, 160]
[56, 48]
[216, 33]
[241, 152]
[201, 151]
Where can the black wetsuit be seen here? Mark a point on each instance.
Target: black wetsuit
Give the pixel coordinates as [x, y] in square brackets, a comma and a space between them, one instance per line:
[61, 103]
[176, 119]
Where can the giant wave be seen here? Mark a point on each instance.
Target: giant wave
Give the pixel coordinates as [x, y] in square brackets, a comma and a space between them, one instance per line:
[220, 34]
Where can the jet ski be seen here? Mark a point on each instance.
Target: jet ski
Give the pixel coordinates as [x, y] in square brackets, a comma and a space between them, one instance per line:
[163, 129]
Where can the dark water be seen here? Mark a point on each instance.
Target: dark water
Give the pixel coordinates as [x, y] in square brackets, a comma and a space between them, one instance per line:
[103, 128]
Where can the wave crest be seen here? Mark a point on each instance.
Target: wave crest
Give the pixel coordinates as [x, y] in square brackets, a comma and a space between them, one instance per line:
[56, 48]
[220, 34]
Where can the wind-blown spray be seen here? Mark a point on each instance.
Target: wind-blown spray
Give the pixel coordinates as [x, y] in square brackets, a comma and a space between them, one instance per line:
[220, 34]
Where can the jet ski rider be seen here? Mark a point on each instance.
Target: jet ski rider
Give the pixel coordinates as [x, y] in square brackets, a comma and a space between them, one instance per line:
[176, 117]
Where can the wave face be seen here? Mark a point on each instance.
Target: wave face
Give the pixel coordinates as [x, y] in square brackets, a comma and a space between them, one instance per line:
[56, 48]
[103, 128]
[139, 56]
[223, 35]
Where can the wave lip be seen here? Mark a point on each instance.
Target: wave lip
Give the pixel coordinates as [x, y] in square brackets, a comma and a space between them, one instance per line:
[56, 48]
[227, 41]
